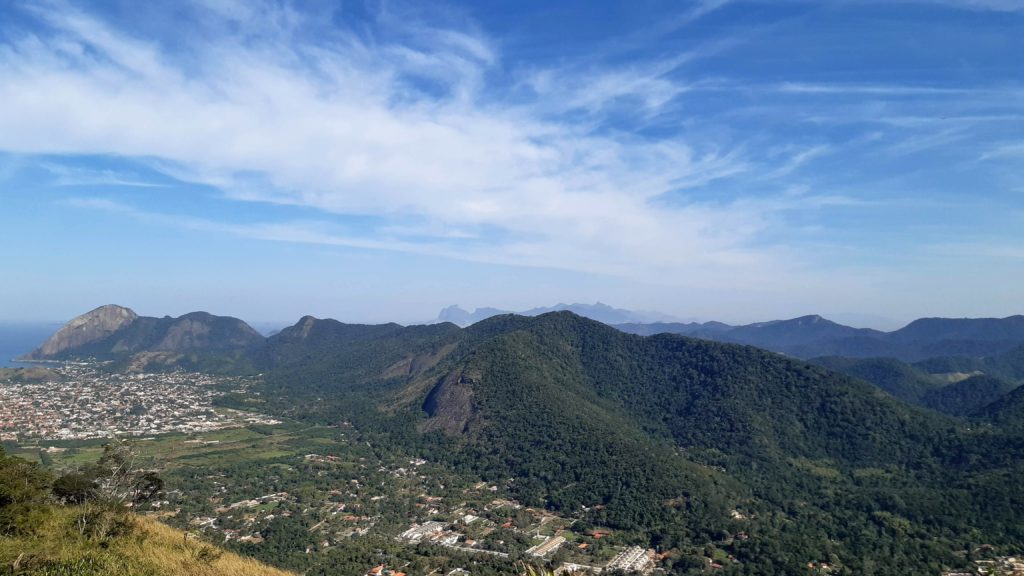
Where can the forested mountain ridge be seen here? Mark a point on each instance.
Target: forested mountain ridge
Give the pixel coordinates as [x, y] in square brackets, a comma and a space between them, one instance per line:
[814, 336]
[956, 385]
[898, 378]
[116, 332]
[363, 352]
[670, 383]
[667, 435]
[643, 377]
[1007, 410]
[968, 397]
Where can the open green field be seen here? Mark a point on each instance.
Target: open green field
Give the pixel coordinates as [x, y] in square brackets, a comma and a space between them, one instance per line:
[170, 451]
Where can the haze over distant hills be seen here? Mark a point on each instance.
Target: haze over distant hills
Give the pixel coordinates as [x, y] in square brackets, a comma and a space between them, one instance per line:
[803, 337]
[597, 311]
[812, 336]
[953, 366]
[114, 329]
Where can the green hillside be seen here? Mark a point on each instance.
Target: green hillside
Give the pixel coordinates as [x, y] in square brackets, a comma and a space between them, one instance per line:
[906, 382]
[1008, 411]
[957, 386]
[674, 439]
[967, 396]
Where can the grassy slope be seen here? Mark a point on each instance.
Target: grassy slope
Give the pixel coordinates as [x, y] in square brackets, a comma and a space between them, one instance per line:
[150, 548]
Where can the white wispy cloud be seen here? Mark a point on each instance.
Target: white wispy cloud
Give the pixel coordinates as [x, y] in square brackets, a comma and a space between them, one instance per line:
[402, 125]
[69, 176]
[696, 10]
[930, 140]
[400, 130]
[980, 5]
[973, 5]
[794, 160]
[869, 89]
[1013, 150]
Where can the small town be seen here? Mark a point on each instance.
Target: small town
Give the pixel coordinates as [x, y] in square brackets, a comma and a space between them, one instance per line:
[409, 506]
[80, 401]
[470, 520]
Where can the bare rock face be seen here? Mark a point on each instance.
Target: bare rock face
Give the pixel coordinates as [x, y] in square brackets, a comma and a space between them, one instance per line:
[204, 331]
[115, 332]
[86, 329]
[450, 404]
[187, 333]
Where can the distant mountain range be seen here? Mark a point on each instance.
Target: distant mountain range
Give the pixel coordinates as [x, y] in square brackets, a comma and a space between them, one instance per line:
[947, 380]
[804, 337]
[670, 438]
[598, 311]
[813, 336]
[115, 330]
[954, 366]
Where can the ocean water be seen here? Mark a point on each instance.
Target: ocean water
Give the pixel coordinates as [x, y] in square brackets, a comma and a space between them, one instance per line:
[18, 339]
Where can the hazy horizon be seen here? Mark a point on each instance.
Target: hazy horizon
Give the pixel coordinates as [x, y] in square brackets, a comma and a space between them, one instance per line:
[268, 325]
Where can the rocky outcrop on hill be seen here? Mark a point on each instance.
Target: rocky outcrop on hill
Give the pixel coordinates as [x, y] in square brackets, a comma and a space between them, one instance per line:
[86, 329]
[114, 332]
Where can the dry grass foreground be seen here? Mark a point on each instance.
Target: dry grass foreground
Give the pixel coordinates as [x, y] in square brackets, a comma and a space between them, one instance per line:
[145, 548]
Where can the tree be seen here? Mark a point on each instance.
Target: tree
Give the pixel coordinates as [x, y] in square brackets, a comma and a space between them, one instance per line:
[120, 480]
[24, 490]
[75, 488]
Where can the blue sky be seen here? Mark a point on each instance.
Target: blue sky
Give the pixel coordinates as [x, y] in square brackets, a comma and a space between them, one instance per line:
[371, 161]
